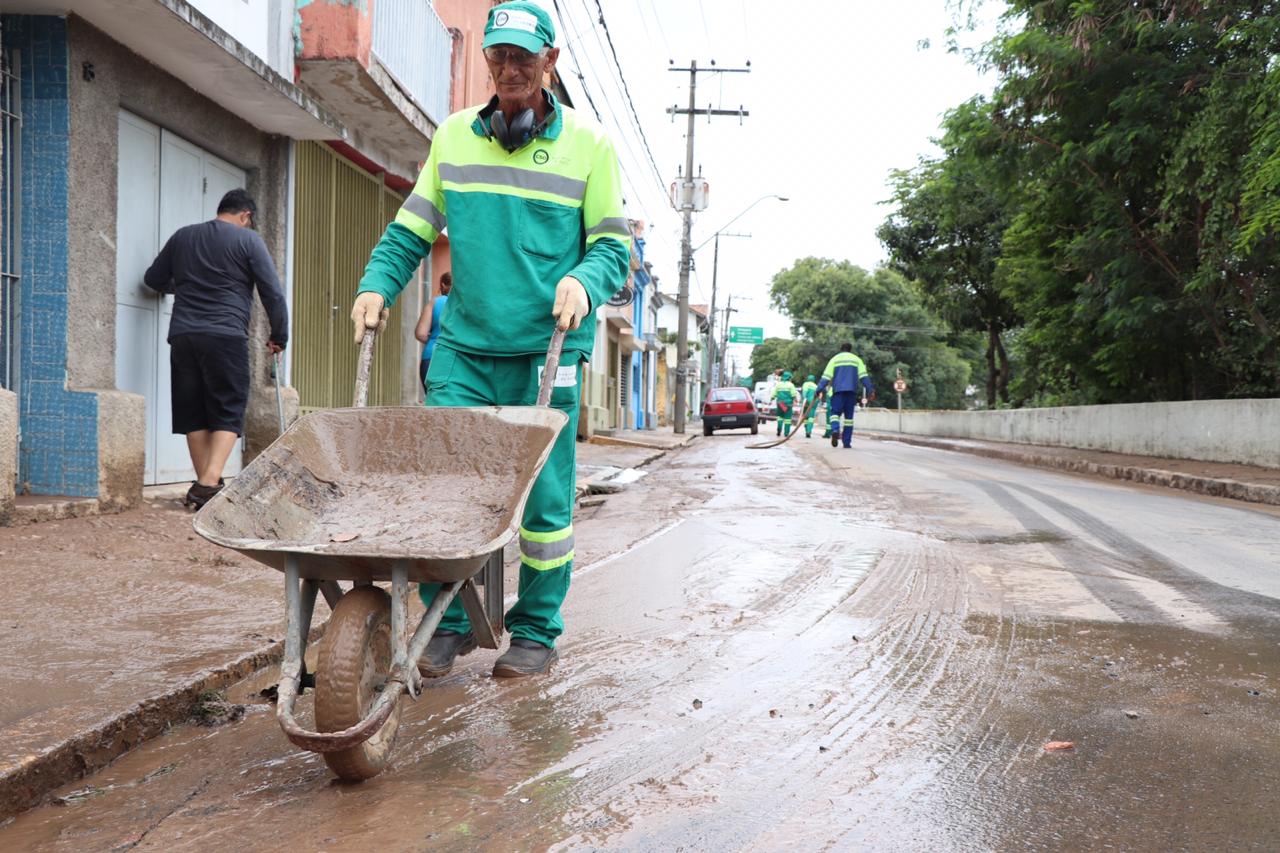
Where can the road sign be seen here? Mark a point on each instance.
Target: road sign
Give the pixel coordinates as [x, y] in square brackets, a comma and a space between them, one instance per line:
[746, 334]
[900, 385]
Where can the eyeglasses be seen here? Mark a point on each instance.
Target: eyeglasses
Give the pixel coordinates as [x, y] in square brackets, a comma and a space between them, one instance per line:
[514, 55]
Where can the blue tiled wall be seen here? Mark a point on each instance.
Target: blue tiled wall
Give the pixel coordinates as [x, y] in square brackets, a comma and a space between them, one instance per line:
[638, 325]
[59, 450]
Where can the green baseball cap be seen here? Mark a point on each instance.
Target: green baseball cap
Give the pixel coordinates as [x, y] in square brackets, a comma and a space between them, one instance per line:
[786, 374]
[521, 23]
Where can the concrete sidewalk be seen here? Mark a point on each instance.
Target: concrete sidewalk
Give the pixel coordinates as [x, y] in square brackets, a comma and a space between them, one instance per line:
[1215, 479]
[116, 625]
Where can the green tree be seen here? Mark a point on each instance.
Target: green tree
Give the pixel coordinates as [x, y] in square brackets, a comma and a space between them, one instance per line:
[881, 313]
[1141, 247]
[947, 231]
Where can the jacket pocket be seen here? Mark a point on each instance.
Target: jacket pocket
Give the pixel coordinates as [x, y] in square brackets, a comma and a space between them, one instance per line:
[549, 231]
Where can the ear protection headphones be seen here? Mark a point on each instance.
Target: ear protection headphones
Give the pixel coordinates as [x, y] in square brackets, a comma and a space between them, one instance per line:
[521, 130]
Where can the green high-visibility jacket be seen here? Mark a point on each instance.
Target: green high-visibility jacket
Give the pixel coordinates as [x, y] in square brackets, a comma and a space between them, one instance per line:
[785, 391]
[809, 390]
[517, 223]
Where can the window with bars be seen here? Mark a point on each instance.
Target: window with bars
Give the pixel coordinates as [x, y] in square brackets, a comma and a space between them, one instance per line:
[10, 215]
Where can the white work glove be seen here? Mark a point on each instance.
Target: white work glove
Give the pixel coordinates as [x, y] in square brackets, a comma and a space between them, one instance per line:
[368, 313]
[572, 305]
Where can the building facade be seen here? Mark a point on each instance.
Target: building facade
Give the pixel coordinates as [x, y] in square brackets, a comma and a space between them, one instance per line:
[126, 120]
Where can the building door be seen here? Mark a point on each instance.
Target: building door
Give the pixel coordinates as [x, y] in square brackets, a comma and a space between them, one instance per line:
[341, 212]
[165, 183]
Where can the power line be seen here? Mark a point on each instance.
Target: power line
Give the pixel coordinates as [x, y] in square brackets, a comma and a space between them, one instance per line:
[622, 128]
[919, 329]
[657, 19]
[577, 66]
[657, 173]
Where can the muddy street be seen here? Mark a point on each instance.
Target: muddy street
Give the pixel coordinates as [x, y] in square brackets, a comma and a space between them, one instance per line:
[803, 648]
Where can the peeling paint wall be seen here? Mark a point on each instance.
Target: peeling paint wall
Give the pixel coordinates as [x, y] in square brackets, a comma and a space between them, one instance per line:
[335, 29]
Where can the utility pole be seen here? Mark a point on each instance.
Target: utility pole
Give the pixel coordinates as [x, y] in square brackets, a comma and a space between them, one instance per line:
[686, 250]
[724, 337]
[716, 349]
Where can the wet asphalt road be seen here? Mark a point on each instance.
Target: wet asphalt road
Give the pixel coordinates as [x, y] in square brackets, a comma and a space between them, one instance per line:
[804, 649]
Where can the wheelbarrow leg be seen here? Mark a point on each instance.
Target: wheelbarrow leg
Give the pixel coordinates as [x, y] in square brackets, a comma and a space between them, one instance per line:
[332, 591]
[300, 605]
[491, 578]
[400, 627]
[480, 625]
[430, 621]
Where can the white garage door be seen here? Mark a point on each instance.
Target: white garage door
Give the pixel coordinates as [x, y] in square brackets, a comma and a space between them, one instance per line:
[165, 183]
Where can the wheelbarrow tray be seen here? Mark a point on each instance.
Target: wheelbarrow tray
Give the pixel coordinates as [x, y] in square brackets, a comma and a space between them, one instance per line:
[351, 491]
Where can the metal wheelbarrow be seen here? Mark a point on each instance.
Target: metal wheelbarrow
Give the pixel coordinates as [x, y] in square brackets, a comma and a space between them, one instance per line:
[401, 494]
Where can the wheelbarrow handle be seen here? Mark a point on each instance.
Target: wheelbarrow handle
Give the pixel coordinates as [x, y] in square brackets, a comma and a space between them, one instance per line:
[550, 367]
[362, 368]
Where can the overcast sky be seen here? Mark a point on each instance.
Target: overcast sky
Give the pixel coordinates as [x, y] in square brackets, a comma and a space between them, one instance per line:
[840, 92]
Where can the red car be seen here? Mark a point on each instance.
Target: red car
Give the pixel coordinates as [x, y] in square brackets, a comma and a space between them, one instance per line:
[729, 408]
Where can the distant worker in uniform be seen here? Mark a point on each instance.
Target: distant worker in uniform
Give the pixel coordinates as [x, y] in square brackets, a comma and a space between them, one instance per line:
[786, 393]
[212, 269]
[809, 393]
[428, 328]
[531, 193]
[846, 374]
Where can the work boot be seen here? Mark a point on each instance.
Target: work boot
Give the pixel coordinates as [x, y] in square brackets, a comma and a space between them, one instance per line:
[835, 439]
[198, 495]
[524, 657]
[445, 647]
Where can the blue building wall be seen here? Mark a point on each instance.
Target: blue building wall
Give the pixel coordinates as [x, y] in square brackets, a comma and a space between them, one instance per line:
[638, 314]
[59, 450]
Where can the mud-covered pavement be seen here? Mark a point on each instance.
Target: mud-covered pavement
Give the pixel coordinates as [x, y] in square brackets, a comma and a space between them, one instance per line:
[805, 648]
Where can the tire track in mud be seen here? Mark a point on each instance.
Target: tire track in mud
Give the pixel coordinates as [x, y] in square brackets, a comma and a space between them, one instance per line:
[1244, 610]
[1114, 591]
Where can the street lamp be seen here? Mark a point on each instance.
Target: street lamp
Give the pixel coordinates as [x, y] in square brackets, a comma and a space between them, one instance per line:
[715, 355]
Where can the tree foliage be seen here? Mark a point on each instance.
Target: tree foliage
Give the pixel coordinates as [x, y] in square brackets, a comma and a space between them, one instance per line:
[880, 313]
[1132, 152]
[947, 231]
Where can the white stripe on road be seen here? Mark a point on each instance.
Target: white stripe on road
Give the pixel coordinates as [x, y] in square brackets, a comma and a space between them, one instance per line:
[604, 561]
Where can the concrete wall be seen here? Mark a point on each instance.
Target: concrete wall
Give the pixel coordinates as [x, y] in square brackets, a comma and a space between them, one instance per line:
[8, 452]
[121, 456]
[1238, 431]
[123, 80]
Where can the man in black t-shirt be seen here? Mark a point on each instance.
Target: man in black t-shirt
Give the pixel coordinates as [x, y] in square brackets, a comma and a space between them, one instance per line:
[212, 268]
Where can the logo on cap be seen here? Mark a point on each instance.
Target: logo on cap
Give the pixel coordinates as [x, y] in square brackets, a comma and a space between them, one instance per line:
[515, 19]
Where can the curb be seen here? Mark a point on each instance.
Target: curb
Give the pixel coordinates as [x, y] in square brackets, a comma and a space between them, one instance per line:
[25, 783]
[626, 442]
[583, 487]
[1209, 486]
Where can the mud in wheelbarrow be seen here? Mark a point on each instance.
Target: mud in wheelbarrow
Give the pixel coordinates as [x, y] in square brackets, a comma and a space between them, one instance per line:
[379, 494]
[353, 490]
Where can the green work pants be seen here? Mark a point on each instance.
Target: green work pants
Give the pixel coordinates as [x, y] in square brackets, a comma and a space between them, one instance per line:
[546, 531]
[808, 421]
[784, 417]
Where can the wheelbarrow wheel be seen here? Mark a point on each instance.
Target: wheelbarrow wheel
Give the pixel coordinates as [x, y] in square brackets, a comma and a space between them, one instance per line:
[354, 662]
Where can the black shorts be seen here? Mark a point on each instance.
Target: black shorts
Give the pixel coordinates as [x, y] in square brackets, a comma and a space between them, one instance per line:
[209, 382]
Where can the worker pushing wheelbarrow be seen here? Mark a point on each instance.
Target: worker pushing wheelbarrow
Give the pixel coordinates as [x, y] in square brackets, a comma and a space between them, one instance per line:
[531, 195]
